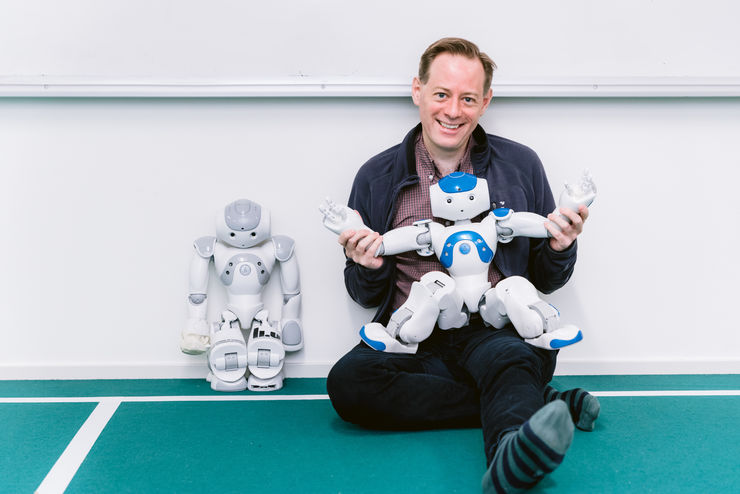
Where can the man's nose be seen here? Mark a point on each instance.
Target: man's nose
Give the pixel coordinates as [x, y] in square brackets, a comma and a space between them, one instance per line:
[453, 108]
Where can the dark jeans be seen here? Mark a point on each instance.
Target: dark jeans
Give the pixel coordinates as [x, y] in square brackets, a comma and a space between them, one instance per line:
[468, 377]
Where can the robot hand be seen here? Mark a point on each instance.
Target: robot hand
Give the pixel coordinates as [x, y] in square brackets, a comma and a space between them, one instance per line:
[582, 193]
[339, 218]
[194, 339]
[291, 331]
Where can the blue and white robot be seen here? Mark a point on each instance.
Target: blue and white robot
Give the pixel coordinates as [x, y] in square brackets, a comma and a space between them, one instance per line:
[244, 254]
[466, 250]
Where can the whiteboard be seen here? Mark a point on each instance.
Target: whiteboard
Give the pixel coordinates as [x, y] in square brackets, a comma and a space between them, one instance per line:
[351, 48]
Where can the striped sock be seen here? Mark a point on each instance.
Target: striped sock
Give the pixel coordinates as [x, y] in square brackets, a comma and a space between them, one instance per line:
[526, 455]
[584, 407]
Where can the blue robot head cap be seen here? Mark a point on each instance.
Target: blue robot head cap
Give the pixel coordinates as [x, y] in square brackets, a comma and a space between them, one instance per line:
[458, 182]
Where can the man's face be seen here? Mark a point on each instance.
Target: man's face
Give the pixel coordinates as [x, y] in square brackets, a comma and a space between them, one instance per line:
[450, 102]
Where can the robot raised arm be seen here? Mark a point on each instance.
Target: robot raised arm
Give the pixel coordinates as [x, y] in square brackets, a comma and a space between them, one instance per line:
[510, 224]
[195, 336]
[523, 224]
[415, 237]
[290, 323]
[339, 218]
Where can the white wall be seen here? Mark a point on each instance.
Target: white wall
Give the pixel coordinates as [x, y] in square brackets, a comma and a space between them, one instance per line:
[100, 200]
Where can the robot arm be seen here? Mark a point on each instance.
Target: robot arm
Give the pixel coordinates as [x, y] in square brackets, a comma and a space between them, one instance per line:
[510, 224]
[290, 324]
[338, 219]
[195, 336]
[415, 237]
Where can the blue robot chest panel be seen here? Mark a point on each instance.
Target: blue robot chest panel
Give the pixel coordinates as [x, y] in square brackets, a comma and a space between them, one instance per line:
[464, 243]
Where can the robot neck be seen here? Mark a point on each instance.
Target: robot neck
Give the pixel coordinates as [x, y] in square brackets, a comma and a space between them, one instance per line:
[462, 222]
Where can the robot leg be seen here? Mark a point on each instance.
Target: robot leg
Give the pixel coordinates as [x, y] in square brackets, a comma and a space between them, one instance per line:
[227, 357]
[265, 355]
[430, 300]
[538, 322]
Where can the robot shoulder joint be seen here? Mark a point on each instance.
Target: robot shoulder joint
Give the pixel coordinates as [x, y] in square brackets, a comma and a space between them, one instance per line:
[204, 246]
[284, 247]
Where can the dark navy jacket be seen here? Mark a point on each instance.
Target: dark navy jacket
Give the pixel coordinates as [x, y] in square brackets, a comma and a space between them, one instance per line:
[516, 180]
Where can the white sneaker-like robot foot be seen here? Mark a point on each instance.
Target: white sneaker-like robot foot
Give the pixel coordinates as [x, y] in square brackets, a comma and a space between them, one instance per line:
[227, 356]
[432, 299]
[230, 356]
[515, 300]
[265, 355]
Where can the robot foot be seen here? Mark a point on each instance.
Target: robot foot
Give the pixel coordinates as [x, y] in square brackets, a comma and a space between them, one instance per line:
[265, 355]
[375, 336]
[219, 385]
[559, 338]
[272, 384]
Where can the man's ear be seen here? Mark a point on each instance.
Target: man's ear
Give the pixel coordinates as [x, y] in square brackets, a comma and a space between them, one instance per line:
[486, 101]
[416, 91]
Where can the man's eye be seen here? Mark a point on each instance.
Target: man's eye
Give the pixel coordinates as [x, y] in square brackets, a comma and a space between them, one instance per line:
[468, 100]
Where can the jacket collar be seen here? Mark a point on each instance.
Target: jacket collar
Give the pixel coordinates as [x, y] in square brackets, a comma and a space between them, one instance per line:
[479, 153]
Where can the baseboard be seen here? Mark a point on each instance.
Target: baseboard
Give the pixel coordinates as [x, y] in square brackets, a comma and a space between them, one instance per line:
[645, 367]
[197, 370]
[161, 370]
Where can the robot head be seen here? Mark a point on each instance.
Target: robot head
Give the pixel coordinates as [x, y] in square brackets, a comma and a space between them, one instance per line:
[459, 196]
[243, 224]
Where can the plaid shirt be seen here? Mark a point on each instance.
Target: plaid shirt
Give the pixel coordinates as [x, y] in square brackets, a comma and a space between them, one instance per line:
[413, 204]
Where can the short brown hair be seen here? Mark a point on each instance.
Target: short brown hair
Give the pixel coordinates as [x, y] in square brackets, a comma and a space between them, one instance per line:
[456, 46]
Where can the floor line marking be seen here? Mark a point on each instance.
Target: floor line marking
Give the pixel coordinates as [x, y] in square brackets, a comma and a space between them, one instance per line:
[204, 398]
[715, 392]
[60, 475]
[145, 399]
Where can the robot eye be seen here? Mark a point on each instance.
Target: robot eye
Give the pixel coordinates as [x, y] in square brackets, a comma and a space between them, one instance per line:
[471, 197]
[449, 200]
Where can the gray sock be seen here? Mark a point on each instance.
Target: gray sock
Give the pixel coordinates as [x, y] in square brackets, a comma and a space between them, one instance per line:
[523, 457]
[584, 407]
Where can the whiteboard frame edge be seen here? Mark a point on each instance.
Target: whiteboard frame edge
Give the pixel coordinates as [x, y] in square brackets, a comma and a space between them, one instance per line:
[42, 87]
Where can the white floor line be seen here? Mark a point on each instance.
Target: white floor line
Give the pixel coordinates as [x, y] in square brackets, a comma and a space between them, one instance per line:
[268, 397]
[60, 475]
[145, 399]
[713, 392]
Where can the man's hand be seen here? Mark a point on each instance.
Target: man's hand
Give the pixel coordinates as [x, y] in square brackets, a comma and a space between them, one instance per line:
[361, 246]
[570, 223]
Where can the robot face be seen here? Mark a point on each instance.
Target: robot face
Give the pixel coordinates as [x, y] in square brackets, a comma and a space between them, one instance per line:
[243, 224]
[459, 196]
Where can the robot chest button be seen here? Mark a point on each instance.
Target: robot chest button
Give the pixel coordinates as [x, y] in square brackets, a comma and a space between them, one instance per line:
[464, 249]
[245, 270]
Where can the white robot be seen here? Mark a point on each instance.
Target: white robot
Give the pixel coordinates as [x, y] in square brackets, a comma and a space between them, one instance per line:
[244, 256]
[466, 250]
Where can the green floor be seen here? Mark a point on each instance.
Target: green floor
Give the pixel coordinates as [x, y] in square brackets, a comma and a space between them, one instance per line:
[642, 444]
